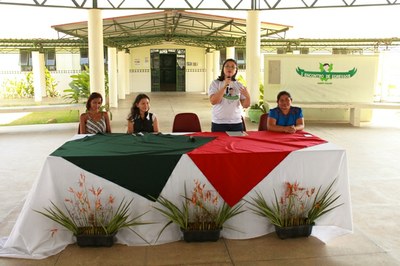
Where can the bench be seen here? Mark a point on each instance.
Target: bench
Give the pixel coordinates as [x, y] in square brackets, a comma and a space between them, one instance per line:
[42, 108]
[355, 108]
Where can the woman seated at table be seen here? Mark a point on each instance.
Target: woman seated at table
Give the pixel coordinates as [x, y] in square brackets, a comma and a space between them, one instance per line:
[94, 120]
[285, 117]
[140, 119]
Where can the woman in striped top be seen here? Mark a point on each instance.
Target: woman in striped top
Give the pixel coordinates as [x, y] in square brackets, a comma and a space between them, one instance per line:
[94, 121]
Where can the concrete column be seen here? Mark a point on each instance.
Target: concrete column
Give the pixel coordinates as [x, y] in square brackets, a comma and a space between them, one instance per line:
[39, 78]
[253, 65]
[121, 75]
[127, 73]
[230, 52]
[112, 77]
[42, 70]
[209, 70]
[96, 51]
[216, 67]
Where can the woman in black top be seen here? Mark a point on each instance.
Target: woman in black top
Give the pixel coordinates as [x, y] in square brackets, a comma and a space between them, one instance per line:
[140, 119]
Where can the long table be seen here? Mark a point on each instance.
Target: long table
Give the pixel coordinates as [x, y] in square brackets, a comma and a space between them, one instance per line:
[236, 167]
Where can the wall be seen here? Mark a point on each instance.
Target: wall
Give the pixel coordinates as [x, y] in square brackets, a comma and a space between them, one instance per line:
[140, 78]
[350, 78]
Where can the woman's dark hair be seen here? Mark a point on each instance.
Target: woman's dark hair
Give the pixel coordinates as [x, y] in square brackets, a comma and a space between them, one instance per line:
[134, 109]
[280, 94]
[222, 76]
[92, 96]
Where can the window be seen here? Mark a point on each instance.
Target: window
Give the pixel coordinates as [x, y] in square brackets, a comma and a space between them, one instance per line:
[84, 58]
[25, 60]
[84, 52]
[241, 58]
[50, 59]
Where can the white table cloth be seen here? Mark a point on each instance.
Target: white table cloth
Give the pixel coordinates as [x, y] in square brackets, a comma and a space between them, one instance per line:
[319, 165]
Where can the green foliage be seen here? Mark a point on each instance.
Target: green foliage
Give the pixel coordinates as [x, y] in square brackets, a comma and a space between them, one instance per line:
[260, 105]
[22, 88]
[51, 85]
[30, 89]
[86, 213]
[297, 206]
[200, 212]
[79, 87]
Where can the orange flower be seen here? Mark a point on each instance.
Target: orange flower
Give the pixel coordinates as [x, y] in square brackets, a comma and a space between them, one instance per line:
[53, 231]
[82, 180]
[79, 195]
[98, 204]
[111, 199]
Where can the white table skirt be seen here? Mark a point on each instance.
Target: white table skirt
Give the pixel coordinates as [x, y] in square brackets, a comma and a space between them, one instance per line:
[311, 167]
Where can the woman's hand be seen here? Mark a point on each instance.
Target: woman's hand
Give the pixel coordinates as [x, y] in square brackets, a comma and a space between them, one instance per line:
[245, 102]
[243, 90]
[290, 129]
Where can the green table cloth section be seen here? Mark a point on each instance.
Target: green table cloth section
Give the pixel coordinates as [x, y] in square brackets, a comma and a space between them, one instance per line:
[141, 164]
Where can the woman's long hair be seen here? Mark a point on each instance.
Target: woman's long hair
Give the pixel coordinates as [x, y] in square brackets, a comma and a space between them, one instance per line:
[134, 109]
[222, 76]
[280, 94]
[92, 96]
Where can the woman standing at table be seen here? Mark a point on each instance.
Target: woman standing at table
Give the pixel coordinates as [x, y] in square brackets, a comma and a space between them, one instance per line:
[228, 97]
[285, 117]
[94, 121]
[140, 119]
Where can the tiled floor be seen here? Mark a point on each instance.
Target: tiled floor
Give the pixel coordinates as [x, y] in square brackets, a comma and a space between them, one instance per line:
[374, 170]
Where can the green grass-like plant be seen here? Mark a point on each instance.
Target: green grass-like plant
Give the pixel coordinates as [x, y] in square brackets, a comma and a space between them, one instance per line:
[201, 211]
[67, 116]
[298, 205]
[87, 213]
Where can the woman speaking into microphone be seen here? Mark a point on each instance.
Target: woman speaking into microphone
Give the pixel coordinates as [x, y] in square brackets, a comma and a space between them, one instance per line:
[228, 97]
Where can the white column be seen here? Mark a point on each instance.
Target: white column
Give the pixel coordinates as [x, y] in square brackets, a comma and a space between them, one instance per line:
[127, 74]
[121, 75]
[39, 82]
[112, 77]
[96, 51]
[253, 42]
[216, 69]
[230, 52]
[209, 70]
[42, 67]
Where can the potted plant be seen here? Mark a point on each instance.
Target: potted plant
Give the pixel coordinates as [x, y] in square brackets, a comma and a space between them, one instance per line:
[257, 109]
[93, 220]
[295, 212]
[201, 216]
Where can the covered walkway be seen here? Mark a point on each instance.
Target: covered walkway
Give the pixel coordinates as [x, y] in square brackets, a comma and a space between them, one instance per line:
[372, 152]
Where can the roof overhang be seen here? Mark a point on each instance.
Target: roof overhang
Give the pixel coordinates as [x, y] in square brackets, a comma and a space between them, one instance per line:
[180, 27]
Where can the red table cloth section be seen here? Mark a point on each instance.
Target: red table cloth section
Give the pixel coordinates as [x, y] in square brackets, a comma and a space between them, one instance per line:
[234, 165]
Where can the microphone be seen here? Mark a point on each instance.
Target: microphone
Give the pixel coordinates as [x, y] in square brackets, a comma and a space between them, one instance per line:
[228, 77]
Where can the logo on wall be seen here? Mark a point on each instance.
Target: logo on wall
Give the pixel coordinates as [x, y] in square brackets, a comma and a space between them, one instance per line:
[325, 74]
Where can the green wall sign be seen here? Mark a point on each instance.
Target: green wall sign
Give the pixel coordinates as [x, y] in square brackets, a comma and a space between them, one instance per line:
[326, 73]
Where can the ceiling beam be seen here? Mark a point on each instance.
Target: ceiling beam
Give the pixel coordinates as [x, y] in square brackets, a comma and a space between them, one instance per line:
[201, 5]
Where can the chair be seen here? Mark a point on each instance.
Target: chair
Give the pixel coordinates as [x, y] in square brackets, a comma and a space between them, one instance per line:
[262, 126]
[244, 124]
[186, 122]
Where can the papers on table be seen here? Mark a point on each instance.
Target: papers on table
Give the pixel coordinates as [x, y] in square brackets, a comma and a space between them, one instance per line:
[236, 133]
